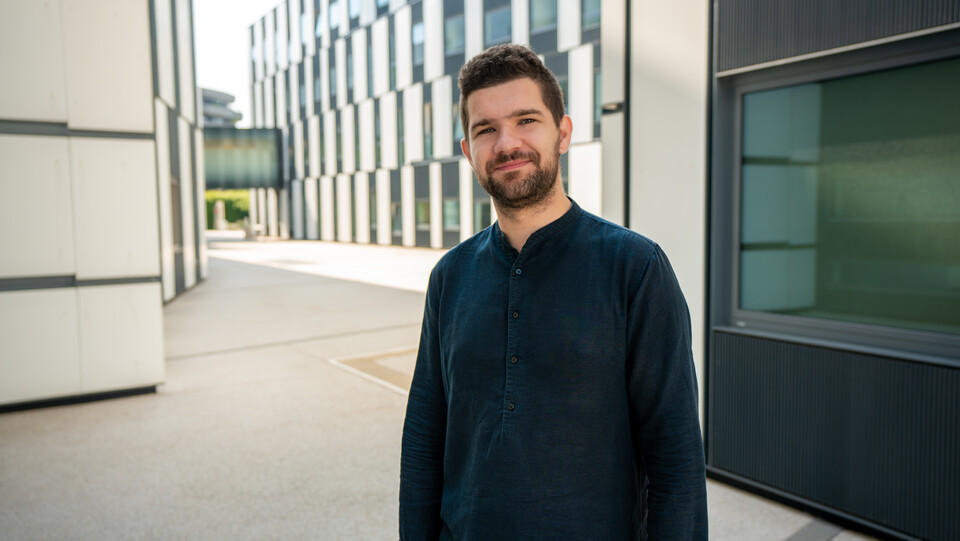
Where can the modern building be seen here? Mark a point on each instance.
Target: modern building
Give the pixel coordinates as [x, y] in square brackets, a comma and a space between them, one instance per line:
[216, 109]
[101, 184]
[799, 162]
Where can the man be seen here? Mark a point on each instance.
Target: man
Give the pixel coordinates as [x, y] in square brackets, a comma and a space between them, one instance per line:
[554, 395]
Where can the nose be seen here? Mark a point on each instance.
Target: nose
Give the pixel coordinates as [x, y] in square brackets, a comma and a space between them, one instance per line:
[507, 141]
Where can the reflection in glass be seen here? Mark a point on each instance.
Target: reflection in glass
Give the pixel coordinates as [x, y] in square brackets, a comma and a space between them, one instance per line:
[543, 15]
[496, 26]
[453, 35]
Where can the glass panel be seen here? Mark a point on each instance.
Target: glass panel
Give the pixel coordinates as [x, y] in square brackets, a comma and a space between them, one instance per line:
[451, 214]
[591, 13]
[481, 215]
[334, 14]
[453, 35]
[423, 214]
[417, 37]
[354, 6]
[543, 15]
[496, 26]
[850, 205]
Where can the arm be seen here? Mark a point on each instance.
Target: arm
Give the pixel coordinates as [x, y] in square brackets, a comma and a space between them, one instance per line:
[421, 459]
[662, 387]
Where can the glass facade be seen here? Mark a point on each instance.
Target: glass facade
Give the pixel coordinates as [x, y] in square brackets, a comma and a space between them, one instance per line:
[850, 199]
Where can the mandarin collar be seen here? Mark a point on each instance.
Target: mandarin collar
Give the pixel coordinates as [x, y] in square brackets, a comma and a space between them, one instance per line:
[540, 235]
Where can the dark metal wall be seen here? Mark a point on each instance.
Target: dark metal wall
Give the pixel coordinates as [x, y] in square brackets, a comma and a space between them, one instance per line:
[755, 31]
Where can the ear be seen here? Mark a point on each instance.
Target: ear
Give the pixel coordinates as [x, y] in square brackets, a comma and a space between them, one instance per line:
[465, 147]
[566, 132]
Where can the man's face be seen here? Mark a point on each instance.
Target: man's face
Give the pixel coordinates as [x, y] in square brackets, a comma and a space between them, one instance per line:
[513, 143]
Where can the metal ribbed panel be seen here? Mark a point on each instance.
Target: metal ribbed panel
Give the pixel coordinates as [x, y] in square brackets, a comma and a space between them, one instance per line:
[873, 437]
[756, 31]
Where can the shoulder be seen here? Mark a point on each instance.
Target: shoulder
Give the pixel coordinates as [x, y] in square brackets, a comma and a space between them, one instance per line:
[455, 257]
[620, 242]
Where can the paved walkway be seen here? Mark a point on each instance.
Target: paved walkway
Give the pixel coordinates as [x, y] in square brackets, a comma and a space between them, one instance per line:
[280, 417]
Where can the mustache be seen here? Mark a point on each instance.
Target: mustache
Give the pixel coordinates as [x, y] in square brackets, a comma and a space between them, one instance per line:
[501, 159]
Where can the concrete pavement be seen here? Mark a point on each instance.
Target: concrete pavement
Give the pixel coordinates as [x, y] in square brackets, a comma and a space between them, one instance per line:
[280, 417]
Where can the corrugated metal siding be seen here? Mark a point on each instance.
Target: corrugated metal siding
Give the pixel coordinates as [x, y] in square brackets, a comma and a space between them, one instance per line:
[874, 437]
[756, 31]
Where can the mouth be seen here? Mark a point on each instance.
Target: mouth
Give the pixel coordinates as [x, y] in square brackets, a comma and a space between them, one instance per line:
[511, 166]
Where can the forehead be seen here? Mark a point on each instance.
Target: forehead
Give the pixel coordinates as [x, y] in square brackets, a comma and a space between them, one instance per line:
[501, 100]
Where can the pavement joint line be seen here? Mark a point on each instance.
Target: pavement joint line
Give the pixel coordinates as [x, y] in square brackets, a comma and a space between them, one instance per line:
[341, 363]
[289, 342]
[816, 530]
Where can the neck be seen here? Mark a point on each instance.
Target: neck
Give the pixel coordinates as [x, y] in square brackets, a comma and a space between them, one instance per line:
[518, 224]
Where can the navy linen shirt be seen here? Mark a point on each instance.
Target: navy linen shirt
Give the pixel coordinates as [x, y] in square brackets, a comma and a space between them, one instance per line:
[554, 395]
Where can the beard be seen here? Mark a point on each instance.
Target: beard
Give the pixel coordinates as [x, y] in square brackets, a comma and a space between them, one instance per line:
[515, 190]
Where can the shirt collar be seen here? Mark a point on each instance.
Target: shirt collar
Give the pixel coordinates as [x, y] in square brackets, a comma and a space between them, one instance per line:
[542, 234]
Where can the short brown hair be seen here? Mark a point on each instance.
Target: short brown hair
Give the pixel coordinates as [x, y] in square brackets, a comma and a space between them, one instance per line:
[504, 63]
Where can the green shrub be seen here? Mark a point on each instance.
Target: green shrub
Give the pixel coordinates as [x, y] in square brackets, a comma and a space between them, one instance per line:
[236, 204]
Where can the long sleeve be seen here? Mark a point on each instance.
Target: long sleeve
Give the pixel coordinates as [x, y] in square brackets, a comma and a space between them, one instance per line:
[662, 389]
[421, 461]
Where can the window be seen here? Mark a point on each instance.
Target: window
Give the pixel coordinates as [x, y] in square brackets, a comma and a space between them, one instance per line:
[427, 130]
[590, 14]
[451, 214]
[354, 7]
[383, 3]
[334, 15]
[453, 35]
[543, 15]
[850, 199]
[496, 26]
[417, 37]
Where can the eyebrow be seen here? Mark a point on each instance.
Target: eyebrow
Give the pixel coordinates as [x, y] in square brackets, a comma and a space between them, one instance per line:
[515, 114]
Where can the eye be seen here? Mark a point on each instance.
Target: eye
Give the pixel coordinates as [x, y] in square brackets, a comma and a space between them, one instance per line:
[485, 130]
[527, 121]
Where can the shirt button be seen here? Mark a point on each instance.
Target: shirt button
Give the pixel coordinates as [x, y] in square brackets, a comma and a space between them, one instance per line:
[516, 315]
[510, 406]
[513, 359]
[519, 271]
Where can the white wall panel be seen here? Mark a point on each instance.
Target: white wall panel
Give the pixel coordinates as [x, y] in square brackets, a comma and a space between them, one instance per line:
[283, 220]
[269, 114]
[585, 171]
[407, 209]
[308, 28]
[33, 69]
[358, 42]
[348, 142]
[39, 349]
[187, 207]
[389, 131]
[365, 116]
[258, 105]
[580, 84]
[413, 123]
[273, 228]
[368, 12]
[381, 56]
[262, 207]
[200, 178]
[255, 212]
[296, 209]
[344, 212]
[166, 80]
[473, 27]
[330, 141]
[325, 24]
[188, 90]
[313, 136]
[36, 211]
[167, 271]
[397, 4]
[344, 14]
[283, 48]
[259, 66]
[109, 65]
[466, 200]
[121, 336]
[442, 98]
[432, 39]
[402, 24]
[361, 207]
[612, 189]
[340, 56]
[568, 24]
[311, 208]
[280, 81]
[115, 207]
[294, 82]
[383, 207]
[436, 205]
[310, 104]
[297, 131]
[295, 49]
[325, 104]
[327, 205]
[520, 22]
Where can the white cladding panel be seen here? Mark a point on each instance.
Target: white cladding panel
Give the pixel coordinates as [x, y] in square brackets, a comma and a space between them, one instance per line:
[256, 50]
[283, 47]
[269, 114]
[33, 69]
[365, 117]
[368, 12]
[348, 142]
[39, 348]
[258, 112]
[520, 22]
[340, 56]
[115, 207]
[200, 179]
[187, 211]
[295, 47]
[611, 133]
[330, 141]
[309, 90]
[383, 206]
[36, 212]
[580, 100]
[313, 142]
[323, 23]
[283, 199]
[442, 98]
[121, 336]
[402, 23]
[473, 27]
[413, 123]
[307, 29]
[432, 39]
[436, 204]
[388, 131]
[326, 209]
[280, 80]
[296, 208]
[297, 130]
[466, 200]
[269, 54]
[381, 56]
[273, 228]
[568, 24]
[407, 216]
[262, 209]
[324, 80]
[109, 65]
[167, 271]
[188, 90]
[358, 42]
[344, 212]
[585, 171]
[612, 44]
[293, 77]
[311, 208]
[361, 207]
[165, 40]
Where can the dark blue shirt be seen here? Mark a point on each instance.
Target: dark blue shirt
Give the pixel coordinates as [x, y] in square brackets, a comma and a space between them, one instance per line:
[554, 395]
